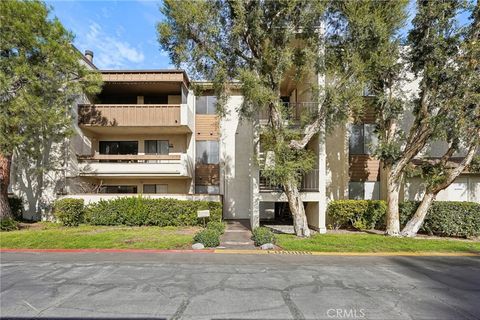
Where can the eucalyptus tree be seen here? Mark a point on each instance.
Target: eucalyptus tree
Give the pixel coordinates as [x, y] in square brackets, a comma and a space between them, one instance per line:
[446, 56]
[262, 43]
[442, 58]
[40, 76]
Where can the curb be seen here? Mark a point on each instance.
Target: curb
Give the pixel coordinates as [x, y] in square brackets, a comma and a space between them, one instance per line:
[252, 252]
[110, 250]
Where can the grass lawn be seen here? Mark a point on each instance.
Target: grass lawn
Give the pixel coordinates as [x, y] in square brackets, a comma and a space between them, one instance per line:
[374, 243]
[53, 236]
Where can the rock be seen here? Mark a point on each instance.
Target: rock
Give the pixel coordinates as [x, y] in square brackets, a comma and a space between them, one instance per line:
[267, 246]
[198, 246]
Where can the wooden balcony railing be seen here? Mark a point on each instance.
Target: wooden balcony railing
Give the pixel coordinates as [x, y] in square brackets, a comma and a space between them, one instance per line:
[128, 115]
[309, 183]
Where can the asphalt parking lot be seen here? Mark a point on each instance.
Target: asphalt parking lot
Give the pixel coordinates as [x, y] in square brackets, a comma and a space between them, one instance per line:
[225, 286]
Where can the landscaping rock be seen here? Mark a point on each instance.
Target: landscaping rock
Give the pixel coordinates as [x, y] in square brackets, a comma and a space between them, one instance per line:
[267, 246]
[198, 246]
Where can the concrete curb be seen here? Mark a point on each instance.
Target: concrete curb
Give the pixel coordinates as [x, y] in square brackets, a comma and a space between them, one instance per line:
[249, 251]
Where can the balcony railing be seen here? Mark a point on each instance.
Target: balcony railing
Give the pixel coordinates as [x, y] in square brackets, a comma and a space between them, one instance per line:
[131, 158]
[136, 165]
[309, 183]
[294, 111]
[129, 115]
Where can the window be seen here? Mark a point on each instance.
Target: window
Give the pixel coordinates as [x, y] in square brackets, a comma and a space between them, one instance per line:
[207, 189]
[156, 147]
[369, 190]
[362, 139]
[118, 189]
[207, 152]
[118, 147]
[206, 104]
[155, 188]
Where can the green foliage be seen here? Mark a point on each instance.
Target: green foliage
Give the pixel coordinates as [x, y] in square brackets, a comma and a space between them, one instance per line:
[208, 237]
[446, 218]
[16, 207]
[262, 235]
[8, 224]
[138, 211]
[41, 75]
[218, 226]
[70, 212]
[358, 214]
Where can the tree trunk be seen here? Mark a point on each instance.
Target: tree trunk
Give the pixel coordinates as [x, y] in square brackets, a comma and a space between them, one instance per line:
[416, 221]
[295, 203]
[393, 194]
[5, 166]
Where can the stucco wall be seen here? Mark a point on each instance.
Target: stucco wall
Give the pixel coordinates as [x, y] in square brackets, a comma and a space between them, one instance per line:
[236, 157]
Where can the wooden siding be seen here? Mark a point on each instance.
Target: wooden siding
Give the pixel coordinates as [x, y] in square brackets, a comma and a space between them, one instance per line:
[128, 115]
[206, 127]
[142, 76]
[364, 168]
[207, 174]
[368, 115]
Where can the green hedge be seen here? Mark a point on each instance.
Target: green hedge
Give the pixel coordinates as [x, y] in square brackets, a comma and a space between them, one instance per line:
[357, 214]
[218, 226]
[444, 218]
[208, 237]
[262, 235]
[69, 211]
[138, 211]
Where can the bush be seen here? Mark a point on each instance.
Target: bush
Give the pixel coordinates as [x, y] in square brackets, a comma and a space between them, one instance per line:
[358, 214]
[8, 224]
[446, 218]
[262, 235]
[138, 211]
[16, 206]
[69, 211]
[208, 237]
[219, 226]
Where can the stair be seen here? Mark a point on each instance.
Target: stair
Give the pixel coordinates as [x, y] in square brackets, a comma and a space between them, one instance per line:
[237, 235]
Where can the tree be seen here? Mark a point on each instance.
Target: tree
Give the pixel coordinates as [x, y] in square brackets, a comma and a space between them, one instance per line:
[451, 81]
[445, 61]
[41, 75]
[261, 43]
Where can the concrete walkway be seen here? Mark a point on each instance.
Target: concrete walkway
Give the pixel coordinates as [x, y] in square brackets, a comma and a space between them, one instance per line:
[237, 235]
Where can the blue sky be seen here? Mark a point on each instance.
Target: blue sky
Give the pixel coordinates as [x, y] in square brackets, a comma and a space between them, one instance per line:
[121, 34]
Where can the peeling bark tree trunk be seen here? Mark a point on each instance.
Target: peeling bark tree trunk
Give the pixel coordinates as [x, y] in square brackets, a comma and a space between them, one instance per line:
[414, 224]
[5, 166]
[393, 194]
[300, 223]
[416, 221]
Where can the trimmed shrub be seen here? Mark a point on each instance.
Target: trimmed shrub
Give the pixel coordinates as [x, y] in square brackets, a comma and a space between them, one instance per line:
[446, 218]
[138, 211]
[16, 205]
[8, 224]
[357, 214]
[69, 211]
[219, 226]
[208, 237]
[262, 235]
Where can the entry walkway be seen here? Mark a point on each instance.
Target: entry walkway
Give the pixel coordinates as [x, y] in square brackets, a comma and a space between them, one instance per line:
[237, 235]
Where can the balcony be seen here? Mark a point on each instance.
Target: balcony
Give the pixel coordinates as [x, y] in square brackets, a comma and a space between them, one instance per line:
[135, 166]
[94, 117]
[309, 183]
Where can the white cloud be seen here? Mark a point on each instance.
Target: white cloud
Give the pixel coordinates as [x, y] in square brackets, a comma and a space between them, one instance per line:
[110, 52]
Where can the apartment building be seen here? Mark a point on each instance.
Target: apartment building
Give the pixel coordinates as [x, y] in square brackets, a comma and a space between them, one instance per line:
[148, 133]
